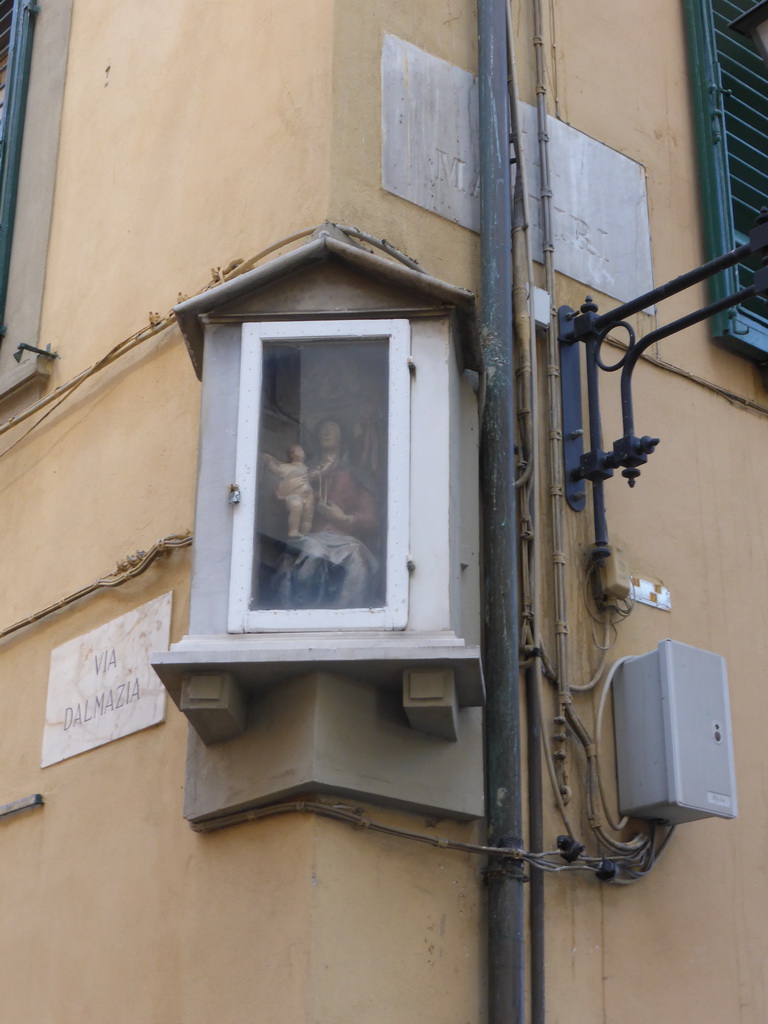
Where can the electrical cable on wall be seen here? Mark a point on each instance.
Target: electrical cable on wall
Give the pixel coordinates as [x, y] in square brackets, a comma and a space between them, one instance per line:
[740, 401]
[640, 850]
[157, 324]
[629, 866]
[126, 569]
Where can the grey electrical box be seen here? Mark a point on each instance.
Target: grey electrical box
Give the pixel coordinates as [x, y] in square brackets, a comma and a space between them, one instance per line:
[674, 751]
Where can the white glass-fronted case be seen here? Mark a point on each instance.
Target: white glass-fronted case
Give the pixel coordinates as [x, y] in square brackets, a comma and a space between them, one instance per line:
[320, 534]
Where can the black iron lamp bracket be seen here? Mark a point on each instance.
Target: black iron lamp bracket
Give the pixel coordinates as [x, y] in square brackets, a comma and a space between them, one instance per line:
[630, 451]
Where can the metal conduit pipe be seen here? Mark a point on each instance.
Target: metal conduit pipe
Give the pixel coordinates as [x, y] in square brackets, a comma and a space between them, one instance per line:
[559, 559]
[506, 975]
[525, 336]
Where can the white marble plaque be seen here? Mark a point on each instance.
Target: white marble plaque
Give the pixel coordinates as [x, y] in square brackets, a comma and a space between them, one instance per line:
[101, 685]
[430, 157]
[430, 132]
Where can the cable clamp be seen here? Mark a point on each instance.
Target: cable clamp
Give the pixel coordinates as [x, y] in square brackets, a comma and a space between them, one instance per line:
[570, 849]
[509, 863]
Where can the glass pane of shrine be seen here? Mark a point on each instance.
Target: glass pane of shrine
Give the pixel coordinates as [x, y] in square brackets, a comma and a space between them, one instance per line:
[321, 493]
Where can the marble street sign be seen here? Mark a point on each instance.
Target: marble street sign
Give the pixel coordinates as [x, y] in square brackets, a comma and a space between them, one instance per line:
[101, 686]
[430, 151]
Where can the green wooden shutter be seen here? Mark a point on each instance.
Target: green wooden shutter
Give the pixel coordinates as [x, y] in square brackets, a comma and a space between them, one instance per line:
[730, 96]
[16, 29]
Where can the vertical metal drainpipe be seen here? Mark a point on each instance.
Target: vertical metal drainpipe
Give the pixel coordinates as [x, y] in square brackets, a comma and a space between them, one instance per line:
[506, 977]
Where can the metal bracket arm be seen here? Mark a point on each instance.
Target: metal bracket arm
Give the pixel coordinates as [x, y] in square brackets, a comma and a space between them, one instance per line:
[629, 452]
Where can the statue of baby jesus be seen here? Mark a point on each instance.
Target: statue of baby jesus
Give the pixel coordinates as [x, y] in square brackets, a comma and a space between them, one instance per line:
[294, 489]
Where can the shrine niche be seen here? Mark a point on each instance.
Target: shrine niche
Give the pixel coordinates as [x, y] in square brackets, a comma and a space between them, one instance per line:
[334, 627]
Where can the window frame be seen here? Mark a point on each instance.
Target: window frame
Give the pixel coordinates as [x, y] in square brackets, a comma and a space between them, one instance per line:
[18, 68]
[739, 329]
[394, 613]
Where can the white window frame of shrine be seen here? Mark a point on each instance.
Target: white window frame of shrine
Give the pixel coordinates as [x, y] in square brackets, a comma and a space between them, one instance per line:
[394, 613]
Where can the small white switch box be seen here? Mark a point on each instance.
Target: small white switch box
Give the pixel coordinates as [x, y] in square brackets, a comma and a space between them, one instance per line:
[616, 576]
[672, 720]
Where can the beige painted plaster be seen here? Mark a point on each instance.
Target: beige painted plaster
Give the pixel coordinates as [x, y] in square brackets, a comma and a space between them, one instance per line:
[231, 154]
[173, 161]
[357, 196]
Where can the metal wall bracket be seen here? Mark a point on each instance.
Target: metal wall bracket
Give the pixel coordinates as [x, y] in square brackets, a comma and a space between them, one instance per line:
[573, 424]
[629, 452]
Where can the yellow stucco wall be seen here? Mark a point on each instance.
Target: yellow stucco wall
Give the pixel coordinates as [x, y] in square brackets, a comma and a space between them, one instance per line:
[685, 943]
[193, 134]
